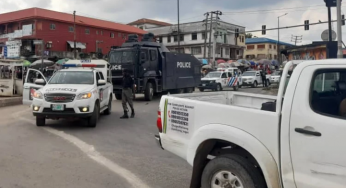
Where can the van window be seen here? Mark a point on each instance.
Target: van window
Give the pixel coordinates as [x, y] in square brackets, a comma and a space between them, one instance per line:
[229, 74]
[101, 76]
[328, 92]
[224, 75]
[153, 55]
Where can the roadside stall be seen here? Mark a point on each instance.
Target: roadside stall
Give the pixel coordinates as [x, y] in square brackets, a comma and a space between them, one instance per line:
[11, 77]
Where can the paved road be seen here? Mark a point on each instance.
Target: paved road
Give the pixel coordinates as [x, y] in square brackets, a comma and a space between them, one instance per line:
[118, 153]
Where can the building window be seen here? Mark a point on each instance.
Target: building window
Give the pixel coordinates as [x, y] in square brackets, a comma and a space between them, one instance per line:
[119, 34]
[261, 46]
[181, 37]
[203, 35]
[112, 35]
[218, 51]
[101, 32]
[97, 32]
[87, 31]
[242, 39]
[250, 47]
[175, 38]
[237, 51]
[52, 27]
[274, 48]
[70, 29]
[168, 39]
[196, 50]
[180, 50]
[270, 46]
[160, 39]
[227, 51]
[225, 38]
[194, 36]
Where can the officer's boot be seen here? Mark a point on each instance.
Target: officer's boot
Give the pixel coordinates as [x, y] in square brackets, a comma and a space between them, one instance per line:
[125, 116]
[132, 113]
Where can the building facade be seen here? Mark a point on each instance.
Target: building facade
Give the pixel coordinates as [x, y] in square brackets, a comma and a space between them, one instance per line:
[315, 51]
[193, 36]
[263, 48]
[145, 23]
[19, 30]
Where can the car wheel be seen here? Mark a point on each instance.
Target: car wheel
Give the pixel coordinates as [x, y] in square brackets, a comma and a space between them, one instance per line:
[92, 121]
[218, 87]
[40, 121]
[108, 111]
[201, 90]
[118, 96]
[255, 84]
[231, 171]
[149, 92]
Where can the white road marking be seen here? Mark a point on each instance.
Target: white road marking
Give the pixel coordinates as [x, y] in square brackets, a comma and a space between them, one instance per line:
[92, 153]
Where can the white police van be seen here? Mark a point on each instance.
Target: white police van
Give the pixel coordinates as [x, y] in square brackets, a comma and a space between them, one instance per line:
[82, 89]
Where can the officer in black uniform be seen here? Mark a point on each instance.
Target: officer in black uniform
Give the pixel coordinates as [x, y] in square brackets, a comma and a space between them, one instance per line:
[127, 94]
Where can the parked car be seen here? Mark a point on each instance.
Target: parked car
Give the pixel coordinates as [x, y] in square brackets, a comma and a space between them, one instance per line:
[275, 77]
[218, 80]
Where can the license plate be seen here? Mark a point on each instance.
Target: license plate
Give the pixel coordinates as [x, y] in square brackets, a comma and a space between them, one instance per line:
[58, 107]
[203, 84]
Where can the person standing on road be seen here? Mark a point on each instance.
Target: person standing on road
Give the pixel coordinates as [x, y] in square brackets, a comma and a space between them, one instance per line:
[264, 79]
[127, 94]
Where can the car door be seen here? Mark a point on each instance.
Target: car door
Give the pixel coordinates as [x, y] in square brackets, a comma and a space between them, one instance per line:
[224, 79]
[317, 128]
[258, 77]
[102, 90]
[29, 85]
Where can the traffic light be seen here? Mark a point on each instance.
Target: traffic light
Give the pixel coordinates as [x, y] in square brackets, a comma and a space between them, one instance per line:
[343, 19]
[306, 25]
[236, 32]
[264, 29]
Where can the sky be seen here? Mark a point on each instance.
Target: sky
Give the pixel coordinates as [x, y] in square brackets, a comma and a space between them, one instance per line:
[249, 13]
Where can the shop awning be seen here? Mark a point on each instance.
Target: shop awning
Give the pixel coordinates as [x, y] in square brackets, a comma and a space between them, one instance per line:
[78, 44]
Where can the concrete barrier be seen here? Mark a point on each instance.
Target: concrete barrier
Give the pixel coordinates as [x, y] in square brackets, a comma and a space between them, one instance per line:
[10, 101]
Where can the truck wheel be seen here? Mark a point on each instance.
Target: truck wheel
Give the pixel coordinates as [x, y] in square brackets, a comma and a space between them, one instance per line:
[118, 96]
[231, 171]
[268, 81]
[255, 84]
[40, 121]
[149, 92]
[189, 90]
[201, 90]
[92, 121]
[108, 111]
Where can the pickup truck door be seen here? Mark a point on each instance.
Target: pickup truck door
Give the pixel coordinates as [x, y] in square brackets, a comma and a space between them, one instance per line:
[30, 86]
[317, 128]
[224, 80]
[103, 90]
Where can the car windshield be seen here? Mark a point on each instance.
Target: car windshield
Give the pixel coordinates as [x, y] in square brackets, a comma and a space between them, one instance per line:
[249, 74]
[73, 77]
[117, 57]
[213, 75]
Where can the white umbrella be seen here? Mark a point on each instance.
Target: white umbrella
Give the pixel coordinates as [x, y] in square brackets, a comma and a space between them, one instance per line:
[38, 63]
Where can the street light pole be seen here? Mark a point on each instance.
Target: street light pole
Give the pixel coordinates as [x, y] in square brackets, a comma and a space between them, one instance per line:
[74, 38]
[278, 44]
[178, 28]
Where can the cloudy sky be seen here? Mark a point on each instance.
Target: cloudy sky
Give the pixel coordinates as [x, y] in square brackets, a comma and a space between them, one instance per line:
[249, 13]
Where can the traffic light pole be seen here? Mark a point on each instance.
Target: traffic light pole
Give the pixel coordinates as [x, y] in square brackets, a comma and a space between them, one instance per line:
[330, 23]
[339, 31]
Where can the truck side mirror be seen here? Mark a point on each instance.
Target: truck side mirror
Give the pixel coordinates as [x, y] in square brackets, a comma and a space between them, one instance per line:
[40, 82]
[101, 82]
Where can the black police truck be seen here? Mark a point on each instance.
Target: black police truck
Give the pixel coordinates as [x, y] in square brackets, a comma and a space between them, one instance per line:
[154, 68]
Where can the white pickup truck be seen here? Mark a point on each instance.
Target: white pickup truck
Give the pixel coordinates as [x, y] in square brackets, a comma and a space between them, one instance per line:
[80, 90]
[292, 140]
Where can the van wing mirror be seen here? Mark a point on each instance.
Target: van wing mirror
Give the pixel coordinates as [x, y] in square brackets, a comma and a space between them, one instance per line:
[101, 82]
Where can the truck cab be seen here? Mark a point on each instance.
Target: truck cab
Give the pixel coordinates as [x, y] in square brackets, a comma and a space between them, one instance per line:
[82, 90]
[292, 140]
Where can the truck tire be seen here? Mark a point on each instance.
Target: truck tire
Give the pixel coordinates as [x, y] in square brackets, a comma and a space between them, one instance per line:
[118, 96]
[108, 111]
[92, 121]
[231, 171]
[40, 121]
[189, 90]
[149, 92]
[218, 87]
[201, 90]
[255, 84]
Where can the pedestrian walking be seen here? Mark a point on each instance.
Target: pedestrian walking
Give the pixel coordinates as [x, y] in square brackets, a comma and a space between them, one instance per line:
[264, 79]
[127, 94]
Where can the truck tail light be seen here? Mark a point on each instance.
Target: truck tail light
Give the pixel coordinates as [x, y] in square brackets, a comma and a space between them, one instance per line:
[158, 121]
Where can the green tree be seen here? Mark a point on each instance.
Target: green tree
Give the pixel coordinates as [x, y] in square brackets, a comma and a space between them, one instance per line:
[248, 35]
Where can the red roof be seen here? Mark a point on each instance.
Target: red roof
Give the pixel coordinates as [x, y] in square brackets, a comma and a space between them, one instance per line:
[149, 21]
[64, 17]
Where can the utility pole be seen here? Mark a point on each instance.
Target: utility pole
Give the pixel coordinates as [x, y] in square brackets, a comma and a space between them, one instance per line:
[339, 31]
[330, 24]
[216, 34]
[210, 34]
[42, 54]
[296, 39]
[74, 38]
[178, 27]
[278, 45]
[205, 35]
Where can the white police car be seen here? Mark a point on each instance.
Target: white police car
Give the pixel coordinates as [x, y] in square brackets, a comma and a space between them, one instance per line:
[80, 90]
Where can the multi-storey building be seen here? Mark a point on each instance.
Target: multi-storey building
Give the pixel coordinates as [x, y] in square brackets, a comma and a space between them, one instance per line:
[145, 23]
[19, 29]
[263, 48]
[193, 35]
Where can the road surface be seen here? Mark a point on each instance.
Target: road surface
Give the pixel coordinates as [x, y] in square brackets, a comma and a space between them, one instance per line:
[117, 153]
